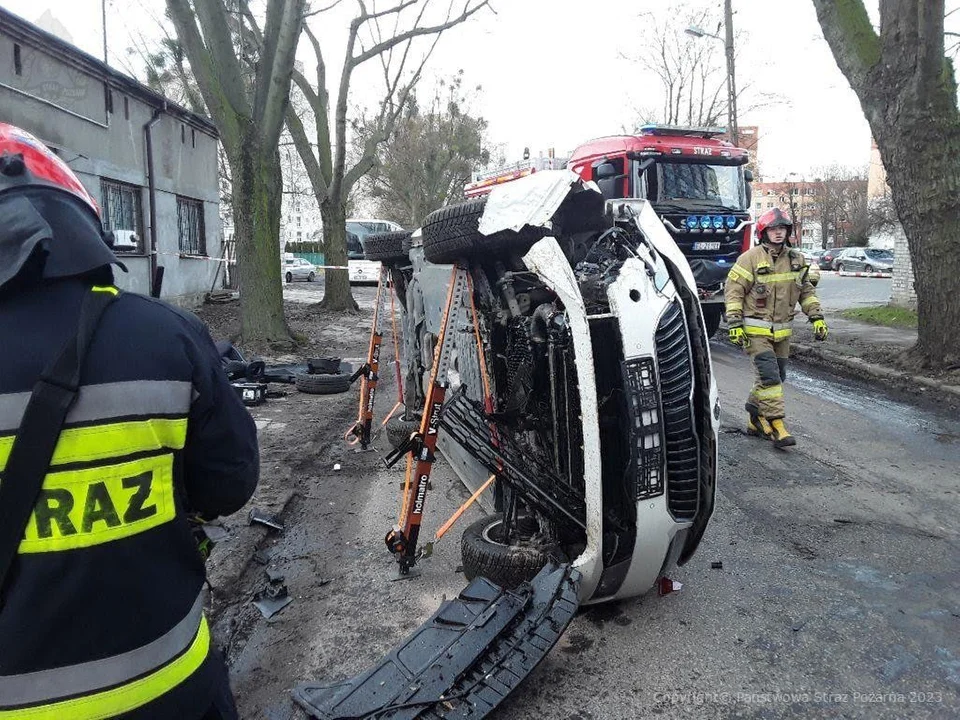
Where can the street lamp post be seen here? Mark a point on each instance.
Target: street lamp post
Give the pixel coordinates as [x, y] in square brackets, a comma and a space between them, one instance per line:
[727, 41]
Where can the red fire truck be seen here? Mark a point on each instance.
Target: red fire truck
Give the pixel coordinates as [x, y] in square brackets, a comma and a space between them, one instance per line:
[696, 182]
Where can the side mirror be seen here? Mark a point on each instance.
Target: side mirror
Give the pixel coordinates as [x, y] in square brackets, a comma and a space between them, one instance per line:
[748, 175]
[110, 238]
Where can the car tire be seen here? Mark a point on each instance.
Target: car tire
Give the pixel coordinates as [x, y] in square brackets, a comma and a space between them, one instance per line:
[311, 277]
[289, 277]
[451, 234]
[505, 565]
[840, 267]
[712, 315]
[327, 384]
[398, 429]
[868, 268]
[387, 247]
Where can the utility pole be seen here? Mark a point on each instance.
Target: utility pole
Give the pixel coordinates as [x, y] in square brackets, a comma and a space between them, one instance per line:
[103, 12]
[731, 77]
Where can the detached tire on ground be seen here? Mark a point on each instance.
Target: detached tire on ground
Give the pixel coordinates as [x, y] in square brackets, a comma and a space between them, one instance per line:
[388, 247]
[451, 234]
[506, 565]
[398, 429]
[327, 384]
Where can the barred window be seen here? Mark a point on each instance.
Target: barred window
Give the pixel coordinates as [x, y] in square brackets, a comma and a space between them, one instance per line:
[122, 215]
[193, 239]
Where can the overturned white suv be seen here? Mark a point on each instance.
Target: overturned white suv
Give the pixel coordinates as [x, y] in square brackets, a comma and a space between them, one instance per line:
[577, 373]
[595, 406]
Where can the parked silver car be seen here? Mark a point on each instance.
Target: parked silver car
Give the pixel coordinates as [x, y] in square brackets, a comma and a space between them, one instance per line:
[295, 268]
[859, 259]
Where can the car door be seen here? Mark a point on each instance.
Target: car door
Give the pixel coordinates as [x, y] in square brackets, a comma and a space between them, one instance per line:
[858, 259]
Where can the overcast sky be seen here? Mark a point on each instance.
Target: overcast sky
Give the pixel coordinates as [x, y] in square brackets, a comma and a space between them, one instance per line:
[554, 74]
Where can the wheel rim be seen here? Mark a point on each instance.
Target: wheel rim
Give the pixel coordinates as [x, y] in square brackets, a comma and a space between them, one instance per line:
[839, 268]
[289, 277]
[488, 534]
[868, 268]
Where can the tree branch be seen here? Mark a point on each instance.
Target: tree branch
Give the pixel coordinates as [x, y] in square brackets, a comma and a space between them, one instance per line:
[305, 151]
[416, 32]
[847, 29]
[282, 33]
[213, 22]
[204, 68]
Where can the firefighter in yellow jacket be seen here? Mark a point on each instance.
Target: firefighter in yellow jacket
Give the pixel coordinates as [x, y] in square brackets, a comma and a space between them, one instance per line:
[762, 292]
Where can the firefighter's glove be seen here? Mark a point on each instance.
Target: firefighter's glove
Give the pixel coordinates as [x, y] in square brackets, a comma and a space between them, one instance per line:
[738, 337]
[819, 329]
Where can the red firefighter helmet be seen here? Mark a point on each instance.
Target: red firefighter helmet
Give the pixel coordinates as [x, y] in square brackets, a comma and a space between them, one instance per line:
[45, 213]
[27, 162]
[773, 218]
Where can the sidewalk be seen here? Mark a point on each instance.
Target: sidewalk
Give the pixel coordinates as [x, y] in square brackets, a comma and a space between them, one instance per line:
[871, 351]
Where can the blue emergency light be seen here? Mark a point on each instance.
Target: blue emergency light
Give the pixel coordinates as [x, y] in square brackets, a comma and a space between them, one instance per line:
[731, 222]
[717, 222]
[705, 222]
[693, 221]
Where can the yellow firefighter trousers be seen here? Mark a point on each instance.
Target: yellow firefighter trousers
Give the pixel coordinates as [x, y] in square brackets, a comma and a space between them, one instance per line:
[770, 370]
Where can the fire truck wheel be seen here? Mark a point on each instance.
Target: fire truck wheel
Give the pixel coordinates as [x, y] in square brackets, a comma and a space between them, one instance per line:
[387, 247]
[451, 234]
[399, 429]
[326, 384]
[483, 553]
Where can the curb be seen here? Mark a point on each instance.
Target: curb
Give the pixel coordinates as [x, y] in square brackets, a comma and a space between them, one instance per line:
[863, 274]
[863, 367]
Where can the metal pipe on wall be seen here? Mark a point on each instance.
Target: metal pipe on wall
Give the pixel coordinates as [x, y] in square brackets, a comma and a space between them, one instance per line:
[153, 281]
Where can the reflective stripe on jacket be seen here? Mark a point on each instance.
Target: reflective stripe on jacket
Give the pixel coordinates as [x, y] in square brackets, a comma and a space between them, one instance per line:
[766, 289]
[102, 614]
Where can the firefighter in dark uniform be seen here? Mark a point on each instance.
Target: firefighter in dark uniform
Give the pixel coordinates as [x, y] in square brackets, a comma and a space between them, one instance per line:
[100, 612]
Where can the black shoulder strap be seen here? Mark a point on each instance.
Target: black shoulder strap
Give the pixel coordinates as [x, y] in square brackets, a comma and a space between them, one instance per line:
[32, 451]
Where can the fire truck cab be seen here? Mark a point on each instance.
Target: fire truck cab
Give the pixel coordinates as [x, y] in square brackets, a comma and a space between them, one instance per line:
[695, 181]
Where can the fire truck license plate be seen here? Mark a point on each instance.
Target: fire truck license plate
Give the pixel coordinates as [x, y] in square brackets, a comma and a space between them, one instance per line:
[706, 246]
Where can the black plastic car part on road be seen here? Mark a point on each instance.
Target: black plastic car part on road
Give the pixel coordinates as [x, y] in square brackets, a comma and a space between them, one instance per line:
[464, 660]
[451, 234]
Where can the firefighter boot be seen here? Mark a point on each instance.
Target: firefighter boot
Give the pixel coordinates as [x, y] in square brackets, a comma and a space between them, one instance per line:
[781, 436]
[757, 425]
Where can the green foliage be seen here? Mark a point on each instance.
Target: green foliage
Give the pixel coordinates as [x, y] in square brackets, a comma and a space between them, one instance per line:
[430, 156]
[305, 246]
[887, 315]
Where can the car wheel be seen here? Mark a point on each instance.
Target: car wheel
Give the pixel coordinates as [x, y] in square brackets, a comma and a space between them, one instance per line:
[868, 268]
[387, 247]
[451, 234]
[840, 267]
[327, 384]
[311, 277]
[483, 554]
[289, 277]
[398, 429]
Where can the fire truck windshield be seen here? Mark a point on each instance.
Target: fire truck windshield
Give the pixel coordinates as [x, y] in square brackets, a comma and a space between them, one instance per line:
[700, 185]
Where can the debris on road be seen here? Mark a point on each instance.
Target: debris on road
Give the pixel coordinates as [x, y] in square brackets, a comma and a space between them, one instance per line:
[274, 596]
[665, 586]
[261, 557]
[465, 660]
[264, 518]
[716, 565]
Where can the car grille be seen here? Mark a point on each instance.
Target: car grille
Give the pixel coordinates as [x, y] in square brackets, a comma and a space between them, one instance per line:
[676, 383]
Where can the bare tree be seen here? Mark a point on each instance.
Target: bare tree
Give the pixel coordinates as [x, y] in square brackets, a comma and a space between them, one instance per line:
[430, 156]
[692, 81]
[386, 36]
[839, 203]
[908, 92]
[248, 110]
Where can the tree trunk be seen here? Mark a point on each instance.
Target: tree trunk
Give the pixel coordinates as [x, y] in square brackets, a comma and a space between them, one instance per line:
[337, 295]
[257, 194]
[925, 177]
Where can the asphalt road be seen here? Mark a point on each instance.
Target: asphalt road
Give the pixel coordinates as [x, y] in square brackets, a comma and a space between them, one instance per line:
[839, 595]
[839, 293]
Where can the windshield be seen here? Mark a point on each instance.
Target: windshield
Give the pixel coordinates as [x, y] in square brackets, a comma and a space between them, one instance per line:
[877, 253]
[354, 247]
[698, 185]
